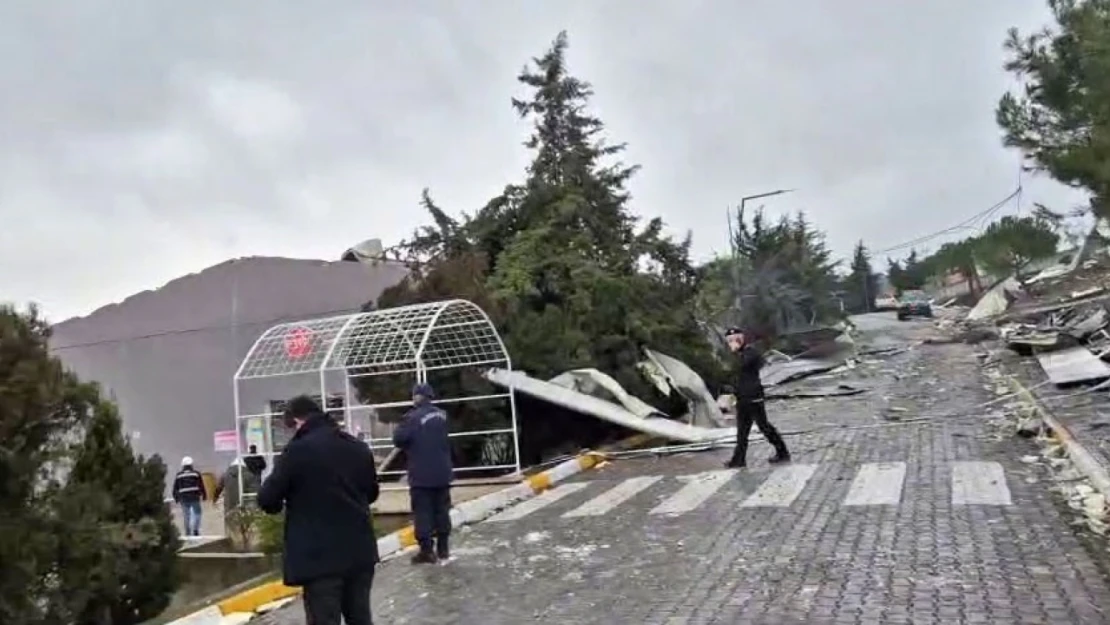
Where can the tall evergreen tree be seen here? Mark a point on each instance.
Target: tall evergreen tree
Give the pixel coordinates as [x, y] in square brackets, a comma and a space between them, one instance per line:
[566, 270]
[118, 563]
[40, 403]
[85, 538]
[862, 284]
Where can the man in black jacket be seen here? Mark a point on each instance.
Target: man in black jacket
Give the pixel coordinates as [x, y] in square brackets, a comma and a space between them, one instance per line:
[325, 481]
[189, 493]
[254, 461]
[423, 435]
[750, 406]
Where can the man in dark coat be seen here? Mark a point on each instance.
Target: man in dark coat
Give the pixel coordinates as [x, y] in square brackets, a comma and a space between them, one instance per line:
[325, 481]
[423, 435]
[254, 461]
[750, 406]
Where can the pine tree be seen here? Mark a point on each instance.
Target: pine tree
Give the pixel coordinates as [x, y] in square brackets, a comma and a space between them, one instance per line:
[40, 403]
[569, 275]
[85, 538]
[118, 528]
[1061, 119]
[862, 284]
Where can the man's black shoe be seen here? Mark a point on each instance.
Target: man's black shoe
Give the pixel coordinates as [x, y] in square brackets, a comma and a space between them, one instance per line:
[733, 464]
[443, 552]
[424, 557]
[779, 459]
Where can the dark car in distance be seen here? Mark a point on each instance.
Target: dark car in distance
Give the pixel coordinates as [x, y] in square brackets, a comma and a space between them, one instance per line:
[914, 304]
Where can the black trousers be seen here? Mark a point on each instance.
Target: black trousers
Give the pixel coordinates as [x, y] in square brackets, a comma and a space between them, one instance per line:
[431, 514]
[749, 412]
[329, 598]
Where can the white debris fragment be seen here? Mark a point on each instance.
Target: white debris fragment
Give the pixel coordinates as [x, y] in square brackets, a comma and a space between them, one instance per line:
[579, 552]
[274, 605]
[536, 537]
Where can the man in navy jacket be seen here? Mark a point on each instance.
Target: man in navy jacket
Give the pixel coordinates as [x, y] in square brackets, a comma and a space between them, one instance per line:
[325, 481]
[423, 436]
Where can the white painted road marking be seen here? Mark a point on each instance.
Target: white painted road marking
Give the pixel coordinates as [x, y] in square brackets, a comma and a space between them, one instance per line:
[698, 488]
[782, 487]
[542, 500]
[614, 496]
[877, 484]
[979, 483]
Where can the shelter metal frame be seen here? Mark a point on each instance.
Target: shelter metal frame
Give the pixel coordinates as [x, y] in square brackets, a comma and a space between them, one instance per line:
[406, 340]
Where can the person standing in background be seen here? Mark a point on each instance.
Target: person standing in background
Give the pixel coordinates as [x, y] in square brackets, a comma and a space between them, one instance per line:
[189, 493]
[423, 436]
[325, 482]
[229, 485]
[254, 461]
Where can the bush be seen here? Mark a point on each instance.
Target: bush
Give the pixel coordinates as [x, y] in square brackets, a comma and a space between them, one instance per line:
[243, 527]
[271, 533]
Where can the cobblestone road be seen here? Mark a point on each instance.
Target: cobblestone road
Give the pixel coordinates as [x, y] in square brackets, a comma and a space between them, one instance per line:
[877, 521]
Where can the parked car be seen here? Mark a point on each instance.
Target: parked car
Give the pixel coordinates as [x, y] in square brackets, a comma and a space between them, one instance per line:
[914, 304]
[886, 302]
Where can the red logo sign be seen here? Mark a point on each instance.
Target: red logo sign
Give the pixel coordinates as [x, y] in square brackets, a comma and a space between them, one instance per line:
[298, 342]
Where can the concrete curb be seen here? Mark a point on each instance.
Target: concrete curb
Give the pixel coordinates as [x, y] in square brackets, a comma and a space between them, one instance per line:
[1083, 460]
[235, 608]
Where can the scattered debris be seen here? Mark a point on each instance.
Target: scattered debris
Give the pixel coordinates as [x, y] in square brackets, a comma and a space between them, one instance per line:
[838, 390]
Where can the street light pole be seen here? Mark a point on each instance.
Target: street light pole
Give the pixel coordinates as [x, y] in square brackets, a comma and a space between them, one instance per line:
[743, 201]
[732, 238]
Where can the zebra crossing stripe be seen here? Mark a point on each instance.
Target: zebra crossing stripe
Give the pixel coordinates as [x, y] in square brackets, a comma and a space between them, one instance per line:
[613, 497]
[877, 484]
[782, 487]
[542, 500]
[979, 483]
[696, 491]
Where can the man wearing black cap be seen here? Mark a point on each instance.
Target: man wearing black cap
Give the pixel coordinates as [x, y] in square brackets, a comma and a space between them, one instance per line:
[325, 480]
[750, 406]
[423, 435]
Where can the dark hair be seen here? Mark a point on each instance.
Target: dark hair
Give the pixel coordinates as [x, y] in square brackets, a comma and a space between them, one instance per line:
[300, 407]
[733, 331]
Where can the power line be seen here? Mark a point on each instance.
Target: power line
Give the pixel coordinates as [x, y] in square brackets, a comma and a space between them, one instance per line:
[138, 337]
[963, 225]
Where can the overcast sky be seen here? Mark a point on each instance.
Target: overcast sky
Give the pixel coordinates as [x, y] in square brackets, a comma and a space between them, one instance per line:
[141, 140]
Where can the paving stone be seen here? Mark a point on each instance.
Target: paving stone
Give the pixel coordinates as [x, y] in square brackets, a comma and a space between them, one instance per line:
[920, 561]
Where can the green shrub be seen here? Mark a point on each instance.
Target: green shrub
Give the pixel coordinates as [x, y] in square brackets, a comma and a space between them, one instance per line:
[271, 532]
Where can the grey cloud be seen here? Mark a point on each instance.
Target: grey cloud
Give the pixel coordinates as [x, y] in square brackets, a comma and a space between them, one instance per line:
[155, 138]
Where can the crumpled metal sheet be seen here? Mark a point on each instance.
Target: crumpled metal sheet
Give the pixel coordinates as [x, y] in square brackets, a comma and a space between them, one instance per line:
[1071, 366]
[606, 410]
[597, 384]
[704, 411]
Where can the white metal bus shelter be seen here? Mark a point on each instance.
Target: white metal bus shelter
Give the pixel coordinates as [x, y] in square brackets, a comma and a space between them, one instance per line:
[324, 356]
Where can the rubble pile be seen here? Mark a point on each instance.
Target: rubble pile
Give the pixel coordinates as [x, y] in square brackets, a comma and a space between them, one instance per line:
[1066, 328]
